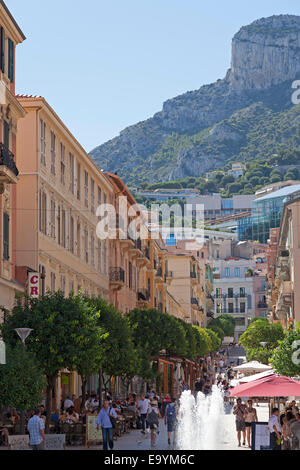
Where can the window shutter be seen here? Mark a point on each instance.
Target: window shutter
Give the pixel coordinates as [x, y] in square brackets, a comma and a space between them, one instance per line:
[5, 236]
[11, 60]
[2, 39]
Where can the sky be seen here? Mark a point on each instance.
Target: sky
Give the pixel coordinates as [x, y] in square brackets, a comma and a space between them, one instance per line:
[106, 64]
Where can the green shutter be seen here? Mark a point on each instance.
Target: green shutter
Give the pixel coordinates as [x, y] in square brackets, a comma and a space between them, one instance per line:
[11, 60]
[2, 46]
[5, 236]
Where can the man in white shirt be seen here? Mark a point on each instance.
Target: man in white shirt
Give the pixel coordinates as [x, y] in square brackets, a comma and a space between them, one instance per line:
[275, 430]
[143, 406]
[68, 403]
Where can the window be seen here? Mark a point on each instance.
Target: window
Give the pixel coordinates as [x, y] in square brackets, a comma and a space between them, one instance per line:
[6, 134]
[53, 152]
[218, 292]
[92, 196]
[2, 40]
[43, 141]
[130, 275]
[42, 271]
[62, 164]
[63, 228]
[71, 286]
[227, 272]
[230, 293]
[10, 60]
[230, 307]
[71, 173]
[99, 196]
[78, 181]
[52, 230]
[63, 284]
[86, 245]
[71, 234]
[78, 240]
[53, 281]
[242, 307]
[219, 308]
[43, 212]
[99, 255]
[5, 236]
[237, 272]
[59, 225]
[92, 250]
[105, 257]
[242, 292]
[86, 189]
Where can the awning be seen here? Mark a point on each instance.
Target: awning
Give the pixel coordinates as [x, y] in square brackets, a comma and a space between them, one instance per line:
[270, 386]
[253, 366]
[261, 375]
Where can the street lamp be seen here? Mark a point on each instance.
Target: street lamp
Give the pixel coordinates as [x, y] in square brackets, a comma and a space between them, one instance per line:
[23, 333]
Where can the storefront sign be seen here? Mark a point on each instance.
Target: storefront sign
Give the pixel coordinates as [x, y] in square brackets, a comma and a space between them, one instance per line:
[92, 434]
[33, 284]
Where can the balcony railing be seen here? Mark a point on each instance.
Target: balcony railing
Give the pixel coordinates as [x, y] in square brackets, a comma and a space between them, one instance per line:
[7, 159]
[143, 294]
[159, 271]
[262, 305]
[194, 301]
[117, 275]
[193, 275]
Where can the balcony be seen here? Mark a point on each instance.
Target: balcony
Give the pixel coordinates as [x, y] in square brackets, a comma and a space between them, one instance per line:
[262, 305]
[8, 170]
[194, 303]
[136, 249]
[143, 294]
[116, 278]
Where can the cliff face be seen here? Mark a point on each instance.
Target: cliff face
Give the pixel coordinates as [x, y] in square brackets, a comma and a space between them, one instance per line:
[203, 129]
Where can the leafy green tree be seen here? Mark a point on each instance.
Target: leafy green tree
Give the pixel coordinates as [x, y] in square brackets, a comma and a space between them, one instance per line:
[286, 358]
[215, 340]
[258, 332]
[117, 352]
[218, 330]
[203, 342]
[59, 325]
[21, 381]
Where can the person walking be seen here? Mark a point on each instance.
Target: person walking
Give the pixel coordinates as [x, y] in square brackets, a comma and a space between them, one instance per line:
[106, 419]
[275, 430]
[170, 419]
[153, 421]
[239, 412]
[36, 428]
[250, 417]
[143, 406]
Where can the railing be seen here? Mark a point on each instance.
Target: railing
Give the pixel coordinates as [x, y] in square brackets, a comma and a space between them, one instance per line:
[193, 275]
[117, 275]
[143, 294]
[7, 159]
[194, 301]
[262, 305]
[159, 272]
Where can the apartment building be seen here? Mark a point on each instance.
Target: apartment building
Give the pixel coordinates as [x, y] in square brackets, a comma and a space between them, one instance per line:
[11, 112]
[58, 192]
[234, 294]
[285, 304]
[186, 283]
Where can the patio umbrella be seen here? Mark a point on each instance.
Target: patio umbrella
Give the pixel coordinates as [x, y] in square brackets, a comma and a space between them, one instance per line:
[261, 375]
[252, 366]
[270, 386]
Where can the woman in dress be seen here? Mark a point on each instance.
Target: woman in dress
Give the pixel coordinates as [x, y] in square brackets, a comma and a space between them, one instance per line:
[250, 417]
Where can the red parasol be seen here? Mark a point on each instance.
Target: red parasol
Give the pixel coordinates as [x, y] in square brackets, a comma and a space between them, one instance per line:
[270, 386]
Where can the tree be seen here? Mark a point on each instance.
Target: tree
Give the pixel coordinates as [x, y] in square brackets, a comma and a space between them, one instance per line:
[218, 330]
[118, 355]
[286, 358]
[21, 380]
[215, 340]
[258, 332]
[203, 342]
[59, 325]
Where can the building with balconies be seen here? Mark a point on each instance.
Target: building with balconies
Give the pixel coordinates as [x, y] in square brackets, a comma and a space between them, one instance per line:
[11, 111]
[233, 291]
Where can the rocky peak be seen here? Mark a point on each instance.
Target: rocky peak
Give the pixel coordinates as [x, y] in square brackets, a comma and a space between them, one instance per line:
[265, 53]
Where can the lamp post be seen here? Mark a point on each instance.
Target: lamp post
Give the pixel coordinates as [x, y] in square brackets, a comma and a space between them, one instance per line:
[23, 333]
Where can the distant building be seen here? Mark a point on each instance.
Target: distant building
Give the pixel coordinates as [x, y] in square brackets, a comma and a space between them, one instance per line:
[216, 207]
[237, 169]
[266, 211]
[166, 194]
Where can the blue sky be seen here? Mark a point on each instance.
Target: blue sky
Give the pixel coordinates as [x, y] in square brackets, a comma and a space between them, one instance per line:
[104, 65]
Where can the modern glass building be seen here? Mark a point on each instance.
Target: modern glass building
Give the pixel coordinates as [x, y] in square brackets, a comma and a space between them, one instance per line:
[266, 214]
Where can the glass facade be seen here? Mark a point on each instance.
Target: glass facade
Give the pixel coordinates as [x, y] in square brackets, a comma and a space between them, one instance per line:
[266, 214]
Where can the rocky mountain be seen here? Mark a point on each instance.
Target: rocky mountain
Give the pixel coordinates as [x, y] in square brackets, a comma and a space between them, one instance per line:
[247, 114]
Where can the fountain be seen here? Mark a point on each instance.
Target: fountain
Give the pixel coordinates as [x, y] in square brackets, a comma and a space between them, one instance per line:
[200, 421]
